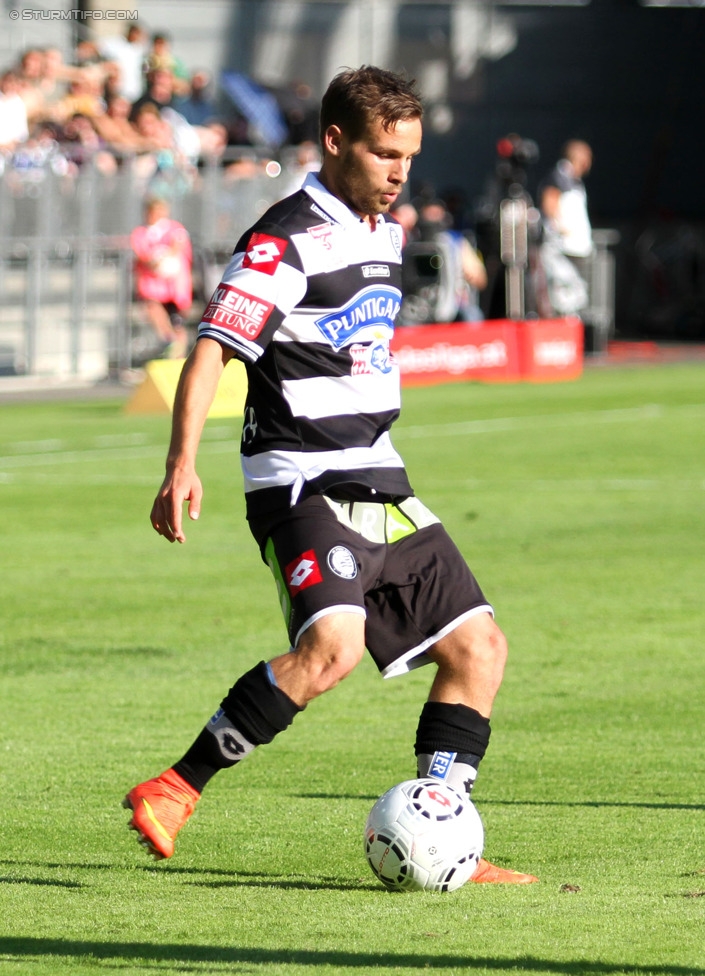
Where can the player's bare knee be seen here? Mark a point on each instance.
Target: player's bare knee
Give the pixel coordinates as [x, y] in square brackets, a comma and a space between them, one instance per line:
[495, 648]
[478, 646]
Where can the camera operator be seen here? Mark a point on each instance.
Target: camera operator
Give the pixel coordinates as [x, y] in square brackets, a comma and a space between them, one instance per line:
[508, 182]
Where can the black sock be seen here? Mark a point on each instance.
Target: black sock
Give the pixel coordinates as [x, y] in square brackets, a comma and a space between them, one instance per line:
[451, 741]
[251, 714]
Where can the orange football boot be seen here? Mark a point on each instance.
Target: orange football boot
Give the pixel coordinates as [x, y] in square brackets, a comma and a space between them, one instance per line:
[486, 873]
[160, 808]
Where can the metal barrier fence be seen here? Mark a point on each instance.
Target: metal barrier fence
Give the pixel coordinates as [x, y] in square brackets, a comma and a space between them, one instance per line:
[65, 261]
[66, 305]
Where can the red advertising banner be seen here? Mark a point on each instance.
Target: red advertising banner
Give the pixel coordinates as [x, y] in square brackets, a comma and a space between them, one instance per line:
[429, 354]
[550, 349]
[494, 351]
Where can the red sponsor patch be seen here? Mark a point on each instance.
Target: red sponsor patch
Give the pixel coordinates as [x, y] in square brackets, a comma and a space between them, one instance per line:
[264, 253]
[302, 572]
[237, 311]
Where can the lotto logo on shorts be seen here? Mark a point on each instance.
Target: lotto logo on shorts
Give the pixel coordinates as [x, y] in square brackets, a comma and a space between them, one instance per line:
[302, 572]
[264, 253]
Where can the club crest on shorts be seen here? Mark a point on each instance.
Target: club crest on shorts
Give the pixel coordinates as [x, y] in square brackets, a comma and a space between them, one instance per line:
[342, 562]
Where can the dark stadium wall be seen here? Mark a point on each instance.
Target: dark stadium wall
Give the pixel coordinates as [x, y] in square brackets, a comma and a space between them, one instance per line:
[627, 79]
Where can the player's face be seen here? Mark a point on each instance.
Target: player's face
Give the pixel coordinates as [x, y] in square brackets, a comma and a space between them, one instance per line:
[369, 173]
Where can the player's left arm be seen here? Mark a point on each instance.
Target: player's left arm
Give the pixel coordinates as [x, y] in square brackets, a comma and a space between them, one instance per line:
[194, 395]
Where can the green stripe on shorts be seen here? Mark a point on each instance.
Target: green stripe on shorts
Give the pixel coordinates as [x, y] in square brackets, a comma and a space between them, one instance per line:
[382, 523]
[282, 592]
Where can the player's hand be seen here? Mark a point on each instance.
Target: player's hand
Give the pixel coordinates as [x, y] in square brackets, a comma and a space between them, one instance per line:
[178, 487]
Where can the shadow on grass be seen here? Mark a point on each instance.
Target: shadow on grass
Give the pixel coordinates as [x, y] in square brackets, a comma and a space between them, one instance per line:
[42, 882]
[242, 880]
[232, 878]
[636, 805]
[16, 949]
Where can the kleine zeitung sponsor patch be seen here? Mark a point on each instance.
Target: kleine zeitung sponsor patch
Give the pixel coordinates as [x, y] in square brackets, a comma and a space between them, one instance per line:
[235, 310]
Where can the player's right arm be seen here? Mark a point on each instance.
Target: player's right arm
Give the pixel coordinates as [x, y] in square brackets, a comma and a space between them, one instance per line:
[194, 395]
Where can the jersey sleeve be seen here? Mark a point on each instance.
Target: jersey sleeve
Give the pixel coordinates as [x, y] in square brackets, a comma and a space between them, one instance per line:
[262, 284]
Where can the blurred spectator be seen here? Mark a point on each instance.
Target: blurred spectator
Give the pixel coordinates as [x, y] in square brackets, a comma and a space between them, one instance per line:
[161, 57]
[29, 74]
[128, 52]
[55, 76]
[111, 80]
[153, 131]
[82, 145]
[87, 55]
[567, 243]
[159, 91]
[188, 141]
[155, 145]
[13, 113]
[198, 105]
[115, 128]
[163, 280]
[300, 110]
[84, 97]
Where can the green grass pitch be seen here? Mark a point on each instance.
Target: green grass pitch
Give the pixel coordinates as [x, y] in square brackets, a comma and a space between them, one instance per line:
[579, 506]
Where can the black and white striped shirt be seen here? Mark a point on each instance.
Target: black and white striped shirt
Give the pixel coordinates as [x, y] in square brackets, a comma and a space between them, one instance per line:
[308, 302]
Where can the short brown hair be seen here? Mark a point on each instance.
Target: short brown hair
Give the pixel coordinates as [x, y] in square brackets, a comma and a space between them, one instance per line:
[359, 96]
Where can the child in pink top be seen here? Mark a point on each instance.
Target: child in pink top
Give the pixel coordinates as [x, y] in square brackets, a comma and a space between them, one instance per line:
[163, 281]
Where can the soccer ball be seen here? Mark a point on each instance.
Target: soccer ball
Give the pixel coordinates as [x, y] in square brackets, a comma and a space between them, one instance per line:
[422, 835]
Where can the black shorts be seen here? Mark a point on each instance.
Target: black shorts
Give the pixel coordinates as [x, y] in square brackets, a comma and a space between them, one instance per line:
[392, 563]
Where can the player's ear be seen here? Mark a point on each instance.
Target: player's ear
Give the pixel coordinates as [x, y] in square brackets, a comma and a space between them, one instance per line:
[332, 140]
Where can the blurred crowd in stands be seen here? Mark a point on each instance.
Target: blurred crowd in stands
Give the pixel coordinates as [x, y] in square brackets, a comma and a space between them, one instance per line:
[128, 101]
[123, 100]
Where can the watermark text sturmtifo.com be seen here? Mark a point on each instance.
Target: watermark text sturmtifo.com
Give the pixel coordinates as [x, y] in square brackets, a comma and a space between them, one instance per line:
[28, 14]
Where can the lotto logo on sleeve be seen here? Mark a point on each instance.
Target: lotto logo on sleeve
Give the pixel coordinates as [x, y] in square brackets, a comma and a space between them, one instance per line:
[237, 311]
[302, 572]
[264, 253]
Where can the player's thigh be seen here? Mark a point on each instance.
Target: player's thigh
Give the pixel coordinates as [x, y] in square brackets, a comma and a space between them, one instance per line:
[321, 567]
[428, 591]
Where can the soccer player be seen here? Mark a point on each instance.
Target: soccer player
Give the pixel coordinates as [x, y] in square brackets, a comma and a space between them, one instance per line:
[308, 302]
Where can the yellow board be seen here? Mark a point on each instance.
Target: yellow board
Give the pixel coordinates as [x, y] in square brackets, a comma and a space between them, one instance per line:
[156, 392]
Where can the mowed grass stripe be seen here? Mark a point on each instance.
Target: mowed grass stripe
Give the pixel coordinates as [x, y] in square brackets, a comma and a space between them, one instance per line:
[490, 426]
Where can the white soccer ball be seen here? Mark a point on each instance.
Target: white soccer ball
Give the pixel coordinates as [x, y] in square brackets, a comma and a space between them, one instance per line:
[423, 835]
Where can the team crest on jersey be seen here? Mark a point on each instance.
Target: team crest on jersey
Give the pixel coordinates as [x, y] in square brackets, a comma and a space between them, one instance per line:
[235, 310]
[371, 306]
[302, 572]
[342, 562]
[264, 253]
[323, 233]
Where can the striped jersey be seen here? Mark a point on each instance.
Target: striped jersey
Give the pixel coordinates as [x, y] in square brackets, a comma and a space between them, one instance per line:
[308, 302]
